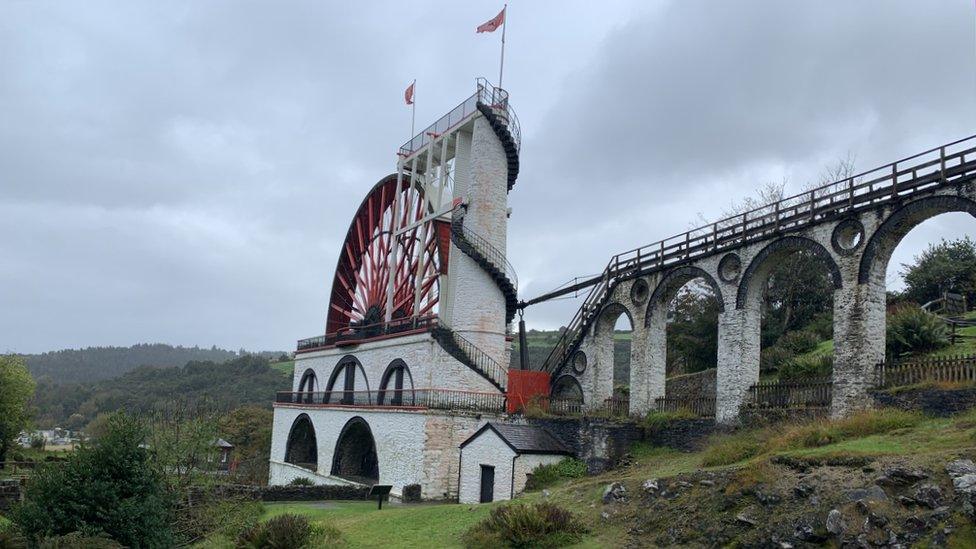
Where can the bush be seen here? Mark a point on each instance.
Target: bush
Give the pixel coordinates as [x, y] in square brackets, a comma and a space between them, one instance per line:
[10, 537]
[912, 330]
[658, 420]
[807, 366]
[547, 475]
[288, 531]
[37, 442]
[798, 342]
[772, 357]
[77, 540]
[108, 488]
[519, 525]
[218, 516]
[301, 481]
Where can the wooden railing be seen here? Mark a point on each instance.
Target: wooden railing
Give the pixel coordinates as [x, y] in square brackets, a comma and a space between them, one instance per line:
[916, 174]
[700, 406]
[616, 407]
[439, 399]
[803, 393]
[951, 369]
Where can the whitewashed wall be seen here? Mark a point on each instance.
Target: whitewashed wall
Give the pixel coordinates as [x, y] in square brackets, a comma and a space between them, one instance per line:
[487, 449]
[526, 463]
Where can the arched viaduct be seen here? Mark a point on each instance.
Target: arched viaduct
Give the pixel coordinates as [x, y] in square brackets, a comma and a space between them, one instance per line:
[853, 226]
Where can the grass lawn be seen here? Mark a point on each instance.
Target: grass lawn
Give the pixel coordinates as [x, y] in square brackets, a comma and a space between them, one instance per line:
[286, 367]
[418, 525]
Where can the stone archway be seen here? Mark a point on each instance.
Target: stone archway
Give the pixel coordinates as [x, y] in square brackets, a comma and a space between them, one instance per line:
[302, 449]
[611, 372]
[355, 453]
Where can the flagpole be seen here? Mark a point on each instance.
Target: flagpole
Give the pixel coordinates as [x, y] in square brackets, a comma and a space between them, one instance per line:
[501, 68]
[413, 108]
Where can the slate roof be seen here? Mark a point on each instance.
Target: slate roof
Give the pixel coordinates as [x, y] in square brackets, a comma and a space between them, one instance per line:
[524, 439]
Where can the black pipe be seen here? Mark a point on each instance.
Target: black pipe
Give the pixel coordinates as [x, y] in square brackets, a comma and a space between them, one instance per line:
[523, 346]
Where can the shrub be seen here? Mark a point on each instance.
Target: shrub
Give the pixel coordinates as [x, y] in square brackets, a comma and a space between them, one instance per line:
[519, 525]
[912, 330]
[77, 540]
[10, 538]
[301, 481]
[799, 342]
[771, 358]
[37, 442]
[657, 420]
[221, 517]
[807, 366]
[547, 475]
[108, 488]
[286, 531]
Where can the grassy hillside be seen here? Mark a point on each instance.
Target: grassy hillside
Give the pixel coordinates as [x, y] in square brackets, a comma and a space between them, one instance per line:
[98, 363]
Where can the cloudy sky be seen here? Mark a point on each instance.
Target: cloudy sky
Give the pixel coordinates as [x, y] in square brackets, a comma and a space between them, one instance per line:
[184, 172]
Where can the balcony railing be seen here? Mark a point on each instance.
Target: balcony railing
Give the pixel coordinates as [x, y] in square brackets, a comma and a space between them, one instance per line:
[359, 334]
[486, 94]
[425, 398]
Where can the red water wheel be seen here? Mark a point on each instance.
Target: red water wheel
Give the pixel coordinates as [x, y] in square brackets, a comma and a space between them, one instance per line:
[371, 251]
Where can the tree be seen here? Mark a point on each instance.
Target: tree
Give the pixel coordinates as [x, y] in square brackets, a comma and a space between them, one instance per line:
[248, 428]
[693, 331]
[943, 267]
[16, 390]
[108, 487]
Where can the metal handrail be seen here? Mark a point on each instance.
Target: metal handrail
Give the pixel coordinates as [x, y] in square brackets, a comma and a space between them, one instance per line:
[491, 253]
[481, 359]
[426, 398]
[865, 190]
[485, 93]
[367, 332]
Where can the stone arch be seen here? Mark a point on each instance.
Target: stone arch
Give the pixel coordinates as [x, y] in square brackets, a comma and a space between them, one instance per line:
[877, 252]
[567, 386]
[674, 280]
[355, 453]
[604, 335]
[786, 245]
[347, 368]
[302, 449]
[608, 317]
[402, 391]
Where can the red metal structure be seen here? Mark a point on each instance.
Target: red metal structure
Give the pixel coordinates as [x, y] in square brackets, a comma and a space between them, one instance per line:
[388, 235]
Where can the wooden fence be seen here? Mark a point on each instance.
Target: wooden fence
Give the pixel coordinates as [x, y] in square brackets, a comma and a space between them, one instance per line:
[700, 406]
[950, 369]
[800, 393]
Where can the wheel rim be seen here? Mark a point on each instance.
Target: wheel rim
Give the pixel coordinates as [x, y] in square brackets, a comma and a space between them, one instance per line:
[361, 284]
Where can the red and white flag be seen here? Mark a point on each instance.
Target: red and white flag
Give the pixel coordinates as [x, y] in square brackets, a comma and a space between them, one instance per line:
[408, 94]
[492, 24]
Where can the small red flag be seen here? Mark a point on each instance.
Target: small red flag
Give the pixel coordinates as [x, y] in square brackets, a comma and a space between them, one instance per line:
[493, 24]
[408, 94]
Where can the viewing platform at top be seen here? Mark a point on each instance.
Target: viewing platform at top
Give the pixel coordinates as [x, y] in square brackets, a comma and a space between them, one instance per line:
[486, 95]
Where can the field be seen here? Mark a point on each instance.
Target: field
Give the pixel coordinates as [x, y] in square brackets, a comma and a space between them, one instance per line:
[285, 367]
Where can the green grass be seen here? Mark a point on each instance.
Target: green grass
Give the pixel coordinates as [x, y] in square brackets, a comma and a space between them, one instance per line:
[362, 525]
[285, 367]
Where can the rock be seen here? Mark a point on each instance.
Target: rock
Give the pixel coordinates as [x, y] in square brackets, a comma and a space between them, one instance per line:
[901, 476]
[805, 532]
[614, 493]
[870, 493]
[545, 493]
[650, 486]
[835, 522]
[682, 484]
[965, 484]
[748, 516]
[802, 490]
[706, 482]
[929, 495]
[961, 467]
[605, 516]
[914, 524]
[767, 499]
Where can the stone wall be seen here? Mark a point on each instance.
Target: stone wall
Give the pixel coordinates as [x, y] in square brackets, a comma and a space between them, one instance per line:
[313, 493]
[692, 386]
[932, 401]
[10, 493]
[686, 435]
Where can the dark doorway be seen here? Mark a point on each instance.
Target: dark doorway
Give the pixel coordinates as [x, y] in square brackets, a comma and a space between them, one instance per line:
[355, 453]
[302, 449]
[487, 484]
